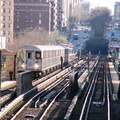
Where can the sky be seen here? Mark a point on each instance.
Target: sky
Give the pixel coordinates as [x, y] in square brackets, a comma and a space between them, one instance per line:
[104, 3]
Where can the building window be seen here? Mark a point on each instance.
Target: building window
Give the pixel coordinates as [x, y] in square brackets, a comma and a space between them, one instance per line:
[3, 58]
[17, 20]
[8, 17]
[8, 25]
[17, 8]
[26, 20]
[2, 17]
[17, 27]
[2, 3]
[8, 32]
[8, 39]
[2, 32]
[18, 13]
[2, 10]
[27, 7]
[8, 10]
[31, 27]
[39, 21]
[2, 25]
[31, 8]
[9, 3]
[31, 20]
[31, 13]
[26, 26]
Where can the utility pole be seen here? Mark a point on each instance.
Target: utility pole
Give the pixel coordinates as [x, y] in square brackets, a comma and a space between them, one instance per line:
[0, 69]
[119, 70]
[0, 74]
[88, 63]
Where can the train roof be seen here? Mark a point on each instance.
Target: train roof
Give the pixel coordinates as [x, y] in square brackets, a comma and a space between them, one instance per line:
[42, 47]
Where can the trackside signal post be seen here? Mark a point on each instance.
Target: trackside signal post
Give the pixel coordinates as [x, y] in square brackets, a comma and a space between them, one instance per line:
[73, 86]
[119, 79]
[119, 70]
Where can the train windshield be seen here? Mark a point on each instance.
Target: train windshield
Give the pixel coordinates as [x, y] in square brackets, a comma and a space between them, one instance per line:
[29, 54]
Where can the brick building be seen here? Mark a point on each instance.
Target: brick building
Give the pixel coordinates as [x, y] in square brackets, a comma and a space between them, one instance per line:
[18, 15]
[34, 13]
[6, 21]
[7, 62]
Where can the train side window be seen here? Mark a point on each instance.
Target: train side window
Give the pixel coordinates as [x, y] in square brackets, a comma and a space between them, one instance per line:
[38, 55]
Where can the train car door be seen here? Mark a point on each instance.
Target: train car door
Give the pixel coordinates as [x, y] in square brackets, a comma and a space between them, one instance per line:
[30, 60]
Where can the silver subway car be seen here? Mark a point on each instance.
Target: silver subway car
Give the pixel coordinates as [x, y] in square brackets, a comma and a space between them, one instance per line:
[40, 58]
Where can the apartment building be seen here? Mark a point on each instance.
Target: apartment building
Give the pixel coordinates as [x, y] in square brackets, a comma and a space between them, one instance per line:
[29, 14]
[117, 10]
[18, 15]
[6, 21]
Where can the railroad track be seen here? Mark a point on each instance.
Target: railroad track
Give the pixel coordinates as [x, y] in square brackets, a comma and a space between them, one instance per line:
[95, 103]
[10, 94]
[43, 102]
[34, 90]
[22, 100]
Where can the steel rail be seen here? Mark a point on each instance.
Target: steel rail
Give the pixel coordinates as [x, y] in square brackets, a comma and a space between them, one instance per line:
[22, 96]
[108, 98]
[34, 97]
[87, 100]
[52, 102]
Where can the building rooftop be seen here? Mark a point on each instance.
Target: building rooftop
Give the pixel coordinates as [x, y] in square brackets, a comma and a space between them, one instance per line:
[6, 51]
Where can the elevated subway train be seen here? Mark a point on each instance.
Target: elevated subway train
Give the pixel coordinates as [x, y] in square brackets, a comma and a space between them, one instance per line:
[43, 59]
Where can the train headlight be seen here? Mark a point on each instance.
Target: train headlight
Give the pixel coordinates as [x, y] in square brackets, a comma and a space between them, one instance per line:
[36, 66]
[23, 65]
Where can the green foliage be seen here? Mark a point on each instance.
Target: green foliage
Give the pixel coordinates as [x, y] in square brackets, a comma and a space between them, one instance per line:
[36, 36]
[98, 18]
[97, 44]
[58, 38]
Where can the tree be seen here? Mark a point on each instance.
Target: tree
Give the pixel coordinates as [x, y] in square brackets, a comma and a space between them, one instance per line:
[98, 19]
[58, 38]
[96, 45]
[35, 36]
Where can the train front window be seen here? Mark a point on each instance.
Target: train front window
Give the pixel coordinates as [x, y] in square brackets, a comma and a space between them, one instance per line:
[38, 55]
[29, 55]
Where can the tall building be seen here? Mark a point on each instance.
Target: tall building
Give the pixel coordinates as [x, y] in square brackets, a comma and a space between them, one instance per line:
[64, 13]
[117, 11]
[29, 14]
[6, 21]
[86, 7]
[54, 16]
[18, 15]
